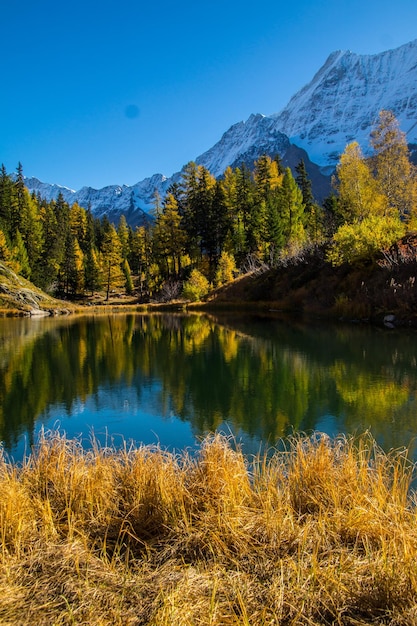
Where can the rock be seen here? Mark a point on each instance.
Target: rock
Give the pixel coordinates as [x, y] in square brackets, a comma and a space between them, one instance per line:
[389, 321]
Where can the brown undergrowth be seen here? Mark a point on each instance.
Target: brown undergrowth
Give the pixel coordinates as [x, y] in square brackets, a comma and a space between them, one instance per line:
[320, 532]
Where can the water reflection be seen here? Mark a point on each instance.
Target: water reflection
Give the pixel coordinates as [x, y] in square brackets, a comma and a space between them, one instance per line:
[172, 378]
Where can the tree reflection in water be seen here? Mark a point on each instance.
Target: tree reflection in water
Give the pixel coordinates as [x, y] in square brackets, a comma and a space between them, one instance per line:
[258, 376]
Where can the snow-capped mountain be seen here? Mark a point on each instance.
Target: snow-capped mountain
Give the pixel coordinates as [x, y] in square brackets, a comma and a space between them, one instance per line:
[339, 105]
[134, 201]
[342, 102]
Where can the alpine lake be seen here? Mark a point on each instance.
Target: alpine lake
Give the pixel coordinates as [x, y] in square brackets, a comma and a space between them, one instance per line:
[171, 378]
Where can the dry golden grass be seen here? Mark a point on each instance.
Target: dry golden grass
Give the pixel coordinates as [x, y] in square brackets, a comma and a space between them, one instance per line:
[321, 532]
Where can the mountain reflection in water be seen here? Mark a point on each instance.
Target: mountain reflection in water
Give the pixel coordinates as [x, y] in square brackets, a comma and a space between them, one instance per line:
[172, 378]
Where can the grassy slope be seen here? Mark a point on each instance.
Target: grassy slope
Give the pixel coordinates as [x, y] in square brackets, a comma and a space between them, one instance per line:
[323, 533]
[19, 296]
[307, 284]
[313, 286]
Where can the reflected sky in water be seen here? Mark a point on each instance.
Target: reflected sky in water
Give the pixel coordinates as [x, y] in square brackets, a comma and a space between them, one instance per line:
[171, 379]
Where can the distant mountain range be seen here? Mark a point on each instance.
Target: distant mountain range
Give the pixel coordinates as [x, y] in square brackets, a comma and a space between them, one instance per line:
[340, 104]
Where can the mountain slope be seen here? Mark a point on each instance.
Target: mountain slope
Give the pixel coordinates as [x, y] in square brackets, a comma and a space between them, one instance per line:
[342, 102]
[339, 105]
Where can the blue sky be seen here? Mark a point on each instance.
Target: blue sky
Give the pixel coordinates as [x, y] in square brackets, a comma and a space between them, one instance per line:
[100, 93]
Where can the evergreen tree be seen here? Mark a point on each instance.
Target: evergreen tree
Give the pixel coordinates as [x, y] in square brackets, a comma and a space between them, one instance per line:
[52, 249]
[304, 184]
[169, 237]
[128, 277]
[92, 271]
[313, 214]
[123, 232]
[291, 209]
[218, 227]
[31, 231]
[71, 274]
[78, 224]
[6, 195]
[267, 177]
[5, 255]
[141, 257]
[111, 261]
[20, 256]
[247, 225]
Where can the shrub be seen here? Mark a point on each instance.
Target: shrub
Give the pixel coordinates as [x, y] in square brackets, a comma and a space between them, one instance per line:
[196, 287]
[363, 240]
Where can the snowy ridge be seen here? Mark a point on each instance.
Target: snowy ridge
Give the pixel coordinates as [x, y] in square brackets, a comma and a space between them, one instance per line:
[258, 130]
[134, 201]
[340, 104]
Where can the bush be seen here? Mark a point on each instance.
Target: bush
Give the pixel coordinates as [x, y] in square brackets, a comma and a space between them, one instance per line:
[363, 240]
[196, 287]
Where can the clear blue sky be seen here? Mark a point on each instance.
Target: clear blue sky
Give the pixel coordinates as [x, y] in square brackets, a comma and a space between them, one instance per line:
[110, 92]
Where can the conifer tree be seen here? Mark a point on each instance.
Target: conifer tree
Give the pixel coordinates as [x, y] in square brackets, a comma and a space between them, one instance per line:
[78, 224]
[169, 236]
[111, 261]
[267, 177]
[5, 255]
[141, 257]
[20, 256]
[313, 213]
[246, 225]
[52, 249]
[92, 271]
[128, 277]
[291, 209]
[123, 232]
[6, 195]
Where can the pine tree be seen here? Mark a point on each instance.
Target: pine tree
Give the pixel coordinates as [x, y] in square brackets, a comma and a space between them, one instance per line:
[169, 236]
[71, 274]
[267, 177]
[20, 256]
[141, 257]
[5, 255]
[247, 226]
[111, 261]
[123, 232]
[52, 249]
[78, 224]
[313, 213]
[291, 209]
[128, 277]
[6, 196]
[92, 271]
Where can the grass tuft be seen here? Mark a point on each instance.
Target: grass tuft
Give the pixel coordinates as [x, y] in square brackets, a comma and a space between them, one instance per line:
[323, 531]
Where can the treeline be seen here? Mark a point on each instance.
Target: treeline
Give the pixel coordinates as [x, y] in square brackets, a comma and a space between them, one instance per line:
[202, 231]
[205, 230]
[62, 249]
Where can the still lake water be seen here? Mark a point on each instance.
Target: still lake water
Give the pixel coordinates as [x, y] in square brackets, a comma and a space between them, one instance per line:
[172, 378]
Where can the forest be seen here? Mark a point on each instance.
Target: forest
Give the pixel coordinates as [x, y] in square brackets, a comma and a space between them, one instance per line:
[206, 231]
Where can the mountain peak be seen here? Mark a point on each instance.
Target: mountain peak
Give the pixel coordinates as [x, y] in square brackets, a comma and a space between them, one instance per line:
[339, 105]
[342, 101]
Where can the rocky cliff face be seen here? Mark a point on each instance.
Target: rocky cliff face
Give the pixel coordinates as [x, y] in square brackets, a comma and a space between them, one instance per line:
[339, 105]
